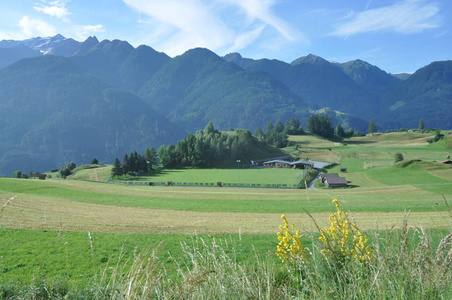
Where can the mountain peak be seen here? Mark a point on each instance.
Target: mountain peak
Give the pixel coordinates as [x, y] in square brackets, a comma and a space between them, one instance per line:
[309, 59]
[91, 39]
[57, 37]
[233, 57]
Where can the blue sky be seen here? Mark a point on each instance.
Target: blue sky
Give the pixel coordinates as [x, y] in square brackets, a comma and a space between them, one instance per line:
[395, 35]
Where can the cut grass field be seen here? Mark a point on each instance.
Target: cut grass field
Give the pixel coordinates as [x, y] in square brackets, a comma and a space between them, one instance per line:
[76, 205]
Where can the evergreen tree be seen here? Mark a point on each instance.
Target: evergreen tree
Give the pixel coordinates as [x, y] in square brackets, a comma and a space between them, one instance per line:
[151, 158]
[259, 134]
[340, 131]
[126, 164]
[209, 128]
[421, 124]
[313, 124]
[117, 169]
[293, 127]
[279, 127]
[372, 127]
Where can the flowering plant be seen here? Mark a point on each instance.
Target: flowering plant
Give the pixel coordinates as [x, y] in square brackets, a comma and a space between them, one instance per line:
[343, 240]
[290, 246]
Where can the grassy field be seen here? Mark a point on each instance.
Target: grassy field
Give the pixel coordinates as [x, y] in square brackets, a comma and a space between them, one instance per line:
[288, 177]
[72, 228]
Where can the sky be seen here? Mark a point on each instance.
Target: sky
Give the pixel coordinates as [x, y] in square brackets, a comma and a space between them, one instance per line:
[398, 36]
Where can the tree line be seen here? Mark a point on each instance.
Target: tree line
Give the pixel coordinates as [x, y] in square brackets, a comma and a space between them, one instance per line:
[207, 148]
[136, 163]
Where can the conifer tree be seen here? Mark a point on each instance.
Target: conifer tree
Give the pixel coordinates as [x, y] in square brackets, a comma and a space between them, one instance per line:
[372, 127]
[117, 169]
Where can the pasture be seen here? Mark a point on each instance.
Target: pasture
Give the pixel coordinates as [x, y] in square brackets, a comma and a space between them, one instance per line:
[72, 228]
[278, 177]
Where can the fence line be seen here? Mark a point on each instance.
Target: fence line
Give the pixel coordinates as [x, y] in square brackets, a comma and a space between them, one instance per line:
[208, 184]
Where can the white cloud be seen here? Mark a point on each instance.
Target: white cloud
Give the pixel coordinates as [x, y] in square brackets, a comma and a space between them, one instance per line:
[83, 31]
[195, 24]
[261, 10]
[35, 27]
[198, 23]
[53, 8]
[245, 39]
[91, 28]
[406, 17]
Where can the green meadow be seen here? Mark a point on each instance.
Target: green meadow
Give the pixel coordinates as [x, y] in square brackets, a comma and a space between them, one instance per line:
[71, 232]
[288, 177]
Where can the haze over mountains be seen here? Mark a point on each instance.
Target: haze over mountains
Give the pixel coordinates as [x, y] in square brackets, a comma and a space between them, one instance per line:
[63, 100]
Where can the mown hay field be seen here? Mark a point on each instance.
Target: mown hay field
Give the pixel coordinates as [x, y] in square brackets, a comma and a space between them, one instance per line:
[77, 205]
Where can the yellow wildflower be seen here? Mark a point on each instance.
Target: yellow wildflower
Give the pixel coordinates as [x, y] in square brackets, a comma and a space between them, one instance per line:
[337, 242]
[290, 246]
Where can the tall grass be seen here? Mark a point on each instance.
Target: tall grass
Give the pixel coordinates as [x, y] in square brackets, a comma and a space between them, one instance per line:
[406, 264]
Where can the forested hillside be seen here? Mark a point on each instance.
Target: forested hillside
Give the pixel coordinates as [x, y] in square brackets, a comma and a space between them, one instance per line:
[51, 113]
[428, 92]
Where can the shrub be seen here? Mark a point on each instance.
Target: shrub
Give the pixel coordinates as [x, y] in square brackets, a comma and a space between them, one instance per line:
[398, 157]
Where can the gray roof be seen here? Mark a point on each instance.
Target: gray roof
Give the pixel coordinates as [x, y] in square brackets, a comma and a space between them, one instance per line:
[336, 180]
[285, 158]
[320, 165]
[329, 175]
[305, 162]
[278, 161]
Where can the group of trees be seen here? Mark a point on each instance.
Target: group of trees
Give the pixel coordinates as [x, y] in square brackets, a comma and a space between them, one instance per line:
[136, 163]
[320, 124]
[20, 174]
[276, 135]
[208, 148]
[67, 170]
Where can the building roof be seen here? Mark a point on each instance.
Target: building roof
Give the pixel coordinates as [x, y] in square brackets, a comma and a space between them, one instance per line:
[285, 158]
[278, 161]
[336, 180]
[302, 162]
[329, 175]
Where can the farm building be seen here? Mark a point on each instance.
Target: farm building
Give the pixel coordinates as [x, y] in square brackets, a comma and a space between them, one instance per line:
[299, 164]
[333, 180]
[260, 163]
[277, 163]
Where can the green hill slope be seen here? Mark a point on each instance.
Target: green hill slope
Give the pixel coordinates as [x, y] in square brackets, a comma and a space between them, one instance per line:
[426, 94]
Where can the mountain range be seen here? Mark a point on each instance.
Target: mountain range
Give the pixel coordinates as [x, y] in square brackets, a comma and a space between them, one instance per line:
[63, 100]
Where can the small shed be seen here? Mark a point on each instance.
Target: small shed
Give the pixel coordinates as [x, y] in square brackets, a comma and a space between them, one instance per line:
[324, 176]
[332, 182]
